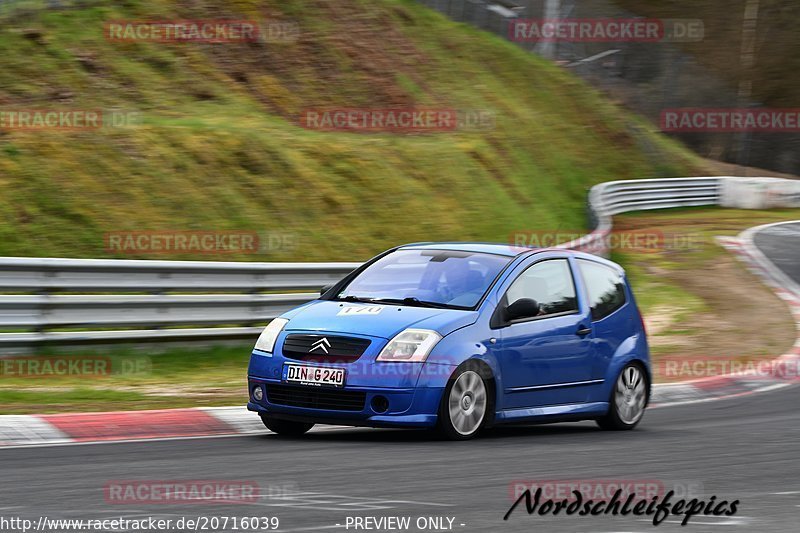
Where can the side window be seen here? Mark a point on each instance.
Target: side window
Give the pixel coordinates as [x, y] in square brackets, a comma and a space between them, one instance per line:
[548, 282]
[605, 286]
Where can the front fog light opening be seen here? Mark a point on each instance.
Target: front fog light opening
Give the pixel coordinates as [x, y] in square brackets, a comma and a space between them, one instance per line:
[258, 393]
[380, 404]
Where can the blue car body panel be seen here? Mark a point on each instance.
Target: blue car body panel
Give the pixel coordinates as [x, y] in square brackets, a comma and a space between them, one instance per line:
[542, 370]
[324, 316]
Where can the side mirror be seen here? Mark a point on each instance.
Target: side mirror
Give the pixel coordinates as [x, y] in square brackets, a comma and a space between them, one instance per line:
[522, 308]
[325, 289]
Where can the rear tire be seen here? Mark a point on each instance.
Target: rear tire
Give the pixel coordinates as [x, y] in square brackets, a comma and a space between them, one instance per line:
[466, 403]
[287, 428]
[628, 400]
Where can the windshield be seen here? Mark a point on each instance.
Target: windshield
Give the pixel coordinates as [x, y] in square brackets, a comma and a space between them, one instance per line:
[434, 278]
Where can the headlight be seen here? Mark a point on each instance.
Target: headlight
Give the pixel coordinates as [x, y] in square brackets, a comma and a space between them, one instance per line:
[266, 341]
[410, 346]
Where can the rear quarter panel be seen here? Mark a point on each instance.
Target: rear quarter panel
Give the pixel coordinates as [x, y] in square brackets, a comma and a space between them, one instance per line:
[625, 326]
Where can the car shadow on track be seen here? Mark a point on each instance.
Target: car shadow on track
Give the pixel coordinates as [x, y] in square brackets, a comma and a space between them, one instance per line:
[371, 435]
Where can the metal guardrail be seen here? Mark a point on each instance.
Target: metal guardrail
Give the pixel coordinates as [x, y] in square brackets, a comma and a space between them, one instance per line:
[148, 300]
[57, 301]
[104, 275]
[616, 197]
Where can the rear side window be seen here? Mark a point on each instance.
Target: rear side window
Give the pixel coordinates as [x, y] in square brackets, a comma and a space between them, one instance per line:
[605, 286]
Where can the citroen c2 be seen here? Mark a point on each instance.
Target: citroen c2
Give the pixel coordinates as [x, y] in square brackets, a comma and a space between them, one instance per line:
[458, 337]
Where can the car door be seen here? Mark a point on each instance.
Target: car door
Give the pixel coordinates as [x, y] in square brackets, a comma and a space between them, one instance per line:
[545, 359]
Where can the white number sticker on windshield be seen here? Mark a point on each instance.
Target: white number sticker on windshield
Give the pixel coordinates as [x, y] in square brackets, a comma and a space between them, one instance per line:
[368, 310]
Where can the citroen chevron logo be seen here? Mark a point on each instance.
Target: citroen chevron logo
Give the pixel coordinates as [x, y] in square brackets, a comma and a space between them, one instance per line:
[322, 344]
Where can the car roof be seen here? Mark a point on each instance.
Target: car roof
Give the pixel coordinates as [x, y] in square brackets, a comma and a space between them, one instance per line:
[478, 247]
[505, 250]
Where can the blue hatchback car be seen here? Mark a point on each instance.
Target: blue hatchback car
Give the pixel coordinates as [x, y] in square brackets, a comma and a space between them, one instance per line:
[460, 337]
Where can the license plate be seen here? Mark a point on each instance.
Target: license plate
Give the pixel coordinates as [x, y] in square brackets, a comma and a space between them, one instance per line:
[315, 376]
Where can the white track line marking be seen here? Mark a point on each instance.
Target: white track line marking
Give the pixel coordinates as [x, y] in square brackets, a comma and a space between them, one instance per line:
[162, 439]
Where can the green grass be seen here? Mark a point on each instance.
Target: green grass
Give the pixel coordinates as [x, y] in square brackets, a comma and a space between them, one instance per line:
[219, 146]
[138, 380]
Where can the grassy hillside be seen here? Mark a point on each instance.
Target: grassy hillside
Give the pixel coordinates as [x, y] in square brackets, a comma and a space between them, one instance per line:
[219, 146]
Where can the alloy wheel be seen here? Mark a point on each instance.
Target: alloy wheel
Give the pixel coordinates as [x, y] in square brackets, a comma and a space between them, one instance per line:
[630, 395]
[467, 403]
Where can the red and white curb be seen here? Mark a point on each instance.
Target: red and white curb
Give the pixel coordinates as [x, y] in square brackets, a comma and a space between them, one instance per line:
[32, 430]
[127, 425]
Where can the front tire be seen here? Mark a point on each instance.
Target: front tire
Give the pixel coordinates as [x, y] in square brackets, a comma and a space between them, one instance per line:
[286, 428]
[628, 400]
[464, 409]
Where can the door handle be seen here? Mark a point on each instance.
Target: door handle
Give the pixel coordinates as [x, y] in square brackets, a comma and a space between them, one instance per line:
[583, 331]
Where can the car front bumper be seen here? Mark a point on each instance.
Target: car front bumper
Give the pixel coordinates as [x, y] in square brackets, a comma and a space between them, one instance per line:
[378, 394]
[416, 407]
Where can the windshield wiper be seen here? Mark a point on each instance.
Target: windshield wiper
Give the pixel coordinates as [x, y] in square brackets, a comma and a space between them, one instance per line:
[412, 301]
[351, 298]
[408, 300]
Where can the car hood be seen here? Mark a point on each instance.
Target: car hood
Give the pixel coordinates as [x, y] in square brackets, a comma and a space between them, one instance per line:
[375, 320]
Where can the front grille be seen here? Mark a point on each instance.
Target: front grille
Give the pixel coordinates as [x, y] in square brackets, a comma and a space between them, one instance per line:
[316, 398]
[324, 348]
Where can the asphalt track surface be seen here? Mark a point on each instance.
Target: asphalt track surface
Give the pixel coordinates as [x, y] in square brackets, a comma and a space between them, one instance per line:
[781, 243]
[736, 449]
